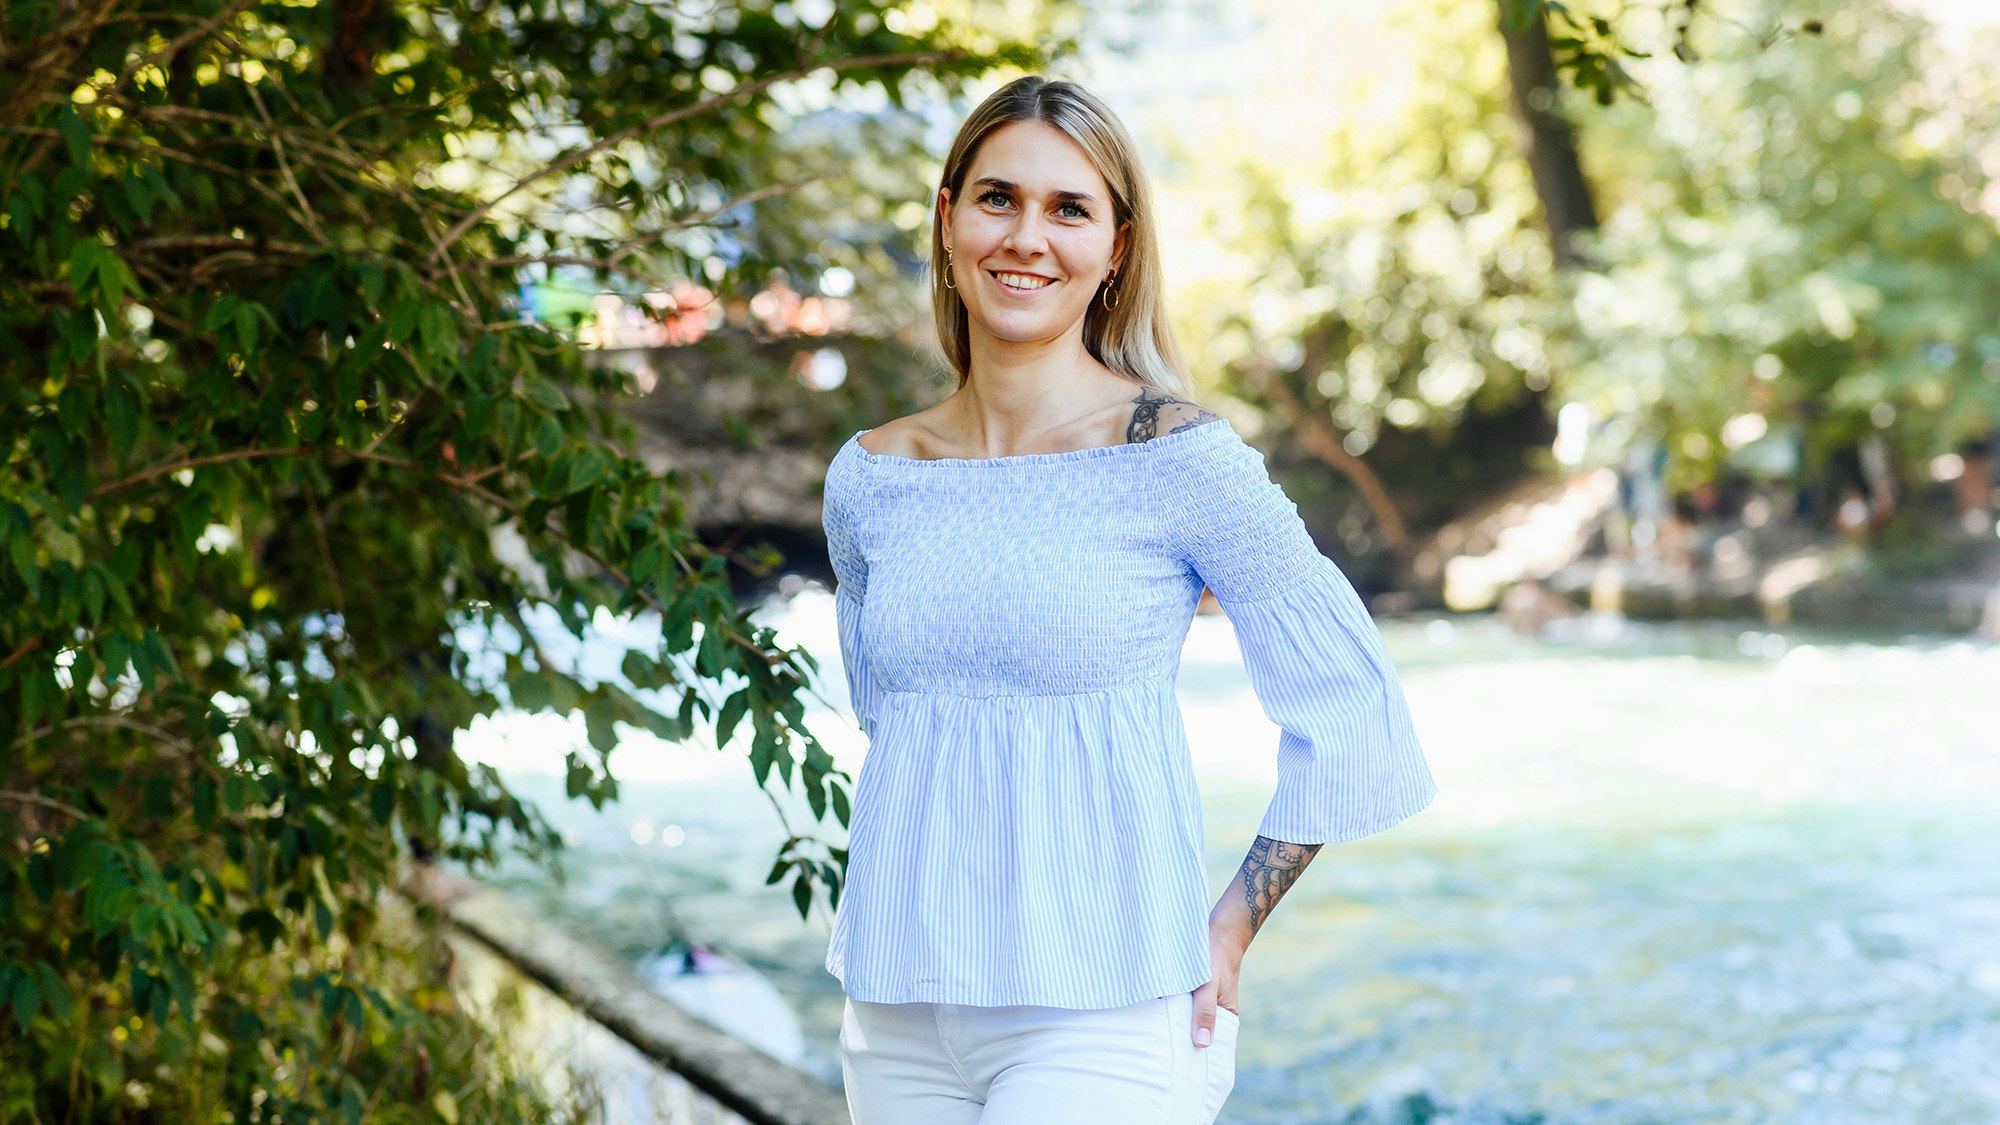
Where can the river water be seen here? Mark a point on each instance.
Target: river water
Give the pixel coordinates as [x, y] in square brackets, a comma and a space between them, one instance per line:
[1676, 873]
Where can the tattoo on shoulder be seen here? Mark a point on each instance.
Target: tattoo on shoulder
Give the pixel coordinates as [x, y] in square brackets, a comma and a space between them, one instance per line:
[1179, 414]
[1268, 871]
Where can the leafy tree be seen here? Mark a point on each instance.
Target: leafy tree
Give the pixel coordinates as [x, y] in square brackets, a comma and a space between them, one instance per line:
[272, 418]
[1389, 260]
[1804, 244]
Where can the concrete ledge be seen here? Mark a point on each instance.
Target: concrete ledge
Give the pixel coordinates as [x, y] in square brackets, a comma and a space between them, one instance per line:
[738, 1076]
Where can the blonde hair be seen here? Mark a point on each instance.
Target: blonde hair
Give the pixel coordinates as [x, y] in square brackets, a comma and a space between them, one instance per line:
[1133, 338]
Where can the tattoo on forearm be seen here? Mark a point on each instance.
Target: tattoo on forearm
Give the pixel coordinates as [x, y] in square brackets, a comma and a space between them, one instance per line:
[1268, 871]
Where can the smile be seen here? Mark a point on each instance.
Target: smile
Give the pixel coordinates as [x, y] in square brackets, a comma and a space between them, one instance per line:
[1021, 282]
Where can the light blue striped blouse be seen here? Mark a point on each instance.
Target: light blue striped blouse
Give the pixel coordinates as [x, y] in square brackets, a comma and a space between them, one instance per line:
[1026, 827]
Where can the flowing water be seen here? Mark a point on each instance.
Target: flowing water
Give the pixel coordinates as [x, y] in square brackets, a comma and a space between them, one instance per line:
[1676, 873]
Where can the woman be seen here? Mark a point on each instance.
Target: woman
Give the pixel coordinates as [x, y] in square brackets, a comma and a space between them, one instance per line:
[1025, 935]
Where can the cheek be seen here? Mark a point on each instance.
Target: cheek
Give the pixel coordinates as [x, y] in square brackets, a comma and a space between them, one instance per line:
[1086, 254]
[978, 233]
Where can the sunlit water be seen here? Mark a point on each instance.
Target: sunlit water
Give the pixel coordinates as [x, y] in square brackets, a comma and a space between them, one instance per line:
[1675, 874]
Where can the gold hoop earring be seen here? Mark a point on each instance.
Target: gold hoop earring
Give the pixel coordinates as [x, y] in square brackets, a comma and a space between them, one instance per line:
[947, 269]
[1110, 299]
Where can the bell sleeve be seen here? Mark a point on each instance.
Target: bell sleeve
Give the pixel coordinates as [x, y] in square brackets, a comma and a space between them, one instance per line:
[839, 519]
[1349, 763]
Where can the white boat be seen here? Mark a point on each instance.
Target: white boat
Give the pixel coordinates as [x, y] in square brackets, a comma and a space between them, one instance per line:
[722, 991]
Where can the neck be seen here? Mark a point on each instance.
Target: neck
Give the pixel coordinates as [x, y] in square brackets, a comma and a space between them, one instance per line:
[1020, 391]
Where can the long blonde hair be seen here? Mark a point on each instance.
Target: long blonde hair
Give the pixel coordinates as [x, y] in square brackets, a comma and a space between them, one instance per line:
[1132, 339]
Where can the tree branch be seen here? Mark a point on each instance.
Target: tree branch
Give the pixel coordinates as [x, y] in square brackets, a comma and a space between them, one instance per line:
[177, 44]
[45, 802]
[1318, 436]
[566, 162]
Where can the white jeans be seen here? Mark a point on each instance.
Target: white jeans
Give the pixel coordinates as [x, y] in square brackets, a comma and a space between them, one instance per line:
[956, 1064]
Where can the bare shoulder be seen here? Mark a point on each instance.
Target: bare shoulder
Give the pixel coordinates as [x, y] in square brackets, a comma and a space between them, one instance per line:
[1155, 412]
[898, 437]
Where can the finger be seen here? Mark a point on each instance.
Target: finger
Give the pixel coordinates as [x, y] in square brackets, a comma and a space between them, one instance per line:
[1204, 1015]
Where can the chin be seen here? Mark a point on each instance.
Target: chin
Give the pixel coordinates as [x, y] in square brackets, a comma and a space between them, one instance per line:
[1025, 331]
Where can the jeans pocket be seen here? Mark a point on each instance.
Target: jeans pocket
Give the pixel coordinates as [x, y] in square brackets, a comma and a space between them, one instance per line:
[1221, 1061]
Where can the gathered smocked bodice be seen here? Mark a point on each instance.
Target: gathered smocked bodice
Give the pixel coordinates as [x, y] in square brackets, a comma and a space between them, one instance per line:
[1026, 828]
[1040, 574]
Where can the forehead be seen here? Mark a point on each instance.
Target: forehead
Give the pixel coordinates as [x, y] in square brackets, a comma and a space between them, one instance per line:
[1039, 157]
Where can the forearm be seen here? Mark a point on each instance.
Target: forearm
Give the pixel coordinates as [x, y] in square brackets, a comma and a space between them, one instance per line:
[1266, 874]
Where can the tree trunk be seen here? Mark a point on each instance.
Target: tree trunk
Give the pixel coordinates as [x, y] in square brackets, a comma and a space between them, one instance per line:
[1547, 138]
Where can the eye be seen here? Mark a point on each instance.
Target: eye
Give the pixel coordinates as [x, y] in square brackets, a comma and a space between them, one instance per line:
[990, 193]
[1081, 211]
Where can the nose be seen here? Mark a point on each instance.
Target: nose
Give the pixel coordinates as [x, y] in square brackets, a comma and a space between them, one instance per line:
[1026, 238]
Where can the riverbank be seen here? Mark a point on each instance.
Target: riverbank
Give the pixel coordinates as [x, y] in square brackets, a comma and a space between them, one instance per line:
[1829, 584]
[1551, 548]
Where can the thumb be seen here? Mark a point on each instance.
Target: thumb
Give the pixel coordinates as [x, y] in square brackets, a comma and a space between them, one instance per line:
[1204, 1014]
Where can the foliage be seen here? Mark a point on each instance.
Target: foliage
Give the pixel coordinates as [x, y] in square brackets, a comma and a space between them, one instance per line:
[1802, 249]
[1384, 284]
[286, 468]
[1592, 42]
[1372, 271]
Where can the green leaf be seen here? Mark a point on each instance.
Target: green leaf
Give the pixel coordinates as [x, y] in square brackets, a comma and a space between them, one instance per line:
[670, 728]
[114, 280]
[140, 193]
[585, 469]
[439, 328]
[262, 925]
[531, 691]
[370, 277]
[55, 994]
[24, 209]
[162, 657]
[21, 550]
[85, 258]
[121, 408]
[733, 710]
[203, 800]
[244, 320]
[600, 722]
[159, 796]
[546, 394]
[27, 1001]
[76, 134]
[548, 436]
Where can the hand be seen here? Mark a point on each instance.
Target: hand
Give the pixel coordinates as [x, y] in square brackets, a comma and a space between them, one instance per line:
[1225, 958]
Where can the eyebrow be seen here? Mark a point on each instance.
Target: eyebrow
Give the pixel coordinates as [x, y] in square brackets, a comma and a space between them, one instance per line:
[1061, 196]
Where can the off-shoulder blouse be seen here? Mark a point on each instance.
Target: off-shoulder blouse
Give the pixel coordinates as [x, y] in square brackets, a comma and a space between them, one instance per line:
[1026, 827]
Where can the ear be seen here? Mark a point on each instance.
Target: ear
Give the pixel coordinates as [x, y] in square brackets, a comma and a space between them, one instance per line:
[944, 214]
[1118, 244]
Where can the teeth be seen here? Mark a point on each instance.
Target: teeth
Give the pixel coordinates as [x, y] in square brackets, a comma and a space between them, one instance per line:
[1022, 280]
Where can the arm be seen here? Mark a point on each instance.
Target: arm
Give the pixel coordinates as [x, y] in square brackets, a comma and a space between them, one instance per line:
[1349, 764]
[839, 519]
[1267, 872]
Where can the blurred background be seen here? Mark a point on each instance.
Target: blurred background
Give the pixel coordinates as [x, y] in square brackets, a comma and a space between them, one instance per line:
[1662, 430]
[1640, 364]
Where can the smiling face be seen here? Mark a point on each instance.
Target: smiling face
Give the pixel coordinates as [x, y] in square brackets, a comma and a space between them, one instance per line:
[1032, 235]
